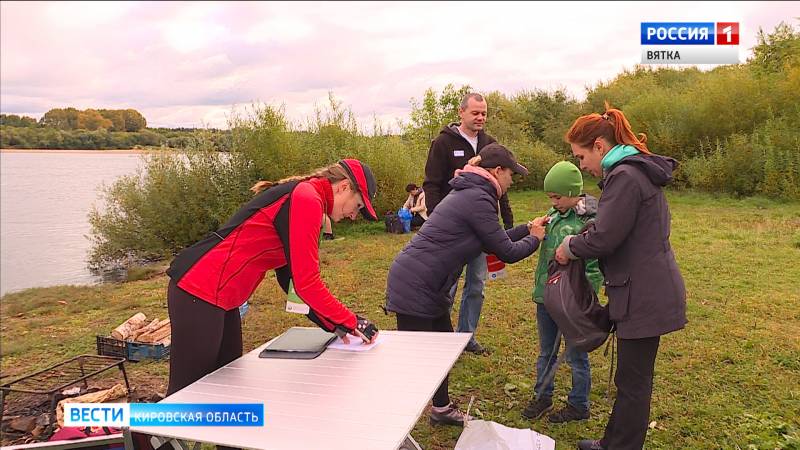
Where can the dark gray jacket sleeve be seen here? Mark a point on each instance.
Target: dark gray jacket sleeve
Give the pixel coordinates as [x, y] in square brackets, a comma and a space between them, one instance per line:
[616, 215]
[436, 175]
[505, 212]
[518, 232]
[495, 239]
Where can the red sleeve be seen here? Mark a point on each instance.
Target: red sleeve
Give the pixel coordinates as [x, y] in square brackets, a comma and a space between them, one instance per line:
[305, 221]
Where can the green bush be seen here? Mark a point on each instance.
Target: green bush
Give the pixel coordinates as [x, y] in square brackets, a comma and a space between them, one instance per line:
[179, 197]
[537, 158]
[764, 163]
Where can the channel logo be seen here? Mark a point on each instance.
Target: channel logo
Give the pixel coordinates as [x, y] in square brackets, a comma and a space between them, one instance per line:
[164, 414]
[690, 42]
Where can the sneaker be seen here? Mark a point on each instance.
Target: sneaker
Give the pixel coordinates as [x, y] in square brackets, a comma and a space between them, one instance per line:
[478, 349]
[589, 444]
[448, 415]
[537, 408]
[328, 236]
[568, 414]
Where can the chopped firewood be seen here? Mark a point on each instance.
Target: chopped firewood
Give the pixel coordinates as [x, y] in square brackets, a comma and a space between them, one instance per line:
[129, 326]
[106, 395]
[24, 424]
[156, 335]
[146, 329]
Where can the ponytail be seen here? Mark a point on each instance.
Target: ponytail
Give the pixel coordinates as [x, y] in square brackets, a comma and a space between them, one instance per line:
[332, 173]
[612, 125]
[475, 160]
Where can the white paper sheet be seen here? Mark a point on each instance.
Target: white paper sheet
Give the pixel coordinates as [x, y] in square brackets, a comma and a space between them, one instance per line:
[356, 344]
[487, 435]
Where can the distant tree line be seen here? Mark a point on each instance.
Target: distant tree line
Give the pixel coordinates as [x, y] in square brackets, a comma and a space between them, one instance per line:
[128, 120]
[92, 129]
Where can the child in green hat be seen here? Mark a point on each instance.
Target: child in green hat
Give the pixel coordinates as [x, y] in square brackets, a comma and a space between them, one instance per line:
[570, 212]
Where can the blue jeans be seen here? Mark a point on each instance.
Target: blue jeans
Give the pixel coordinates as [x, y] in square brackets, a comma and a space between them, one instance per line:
[578, 361]
[472, 297]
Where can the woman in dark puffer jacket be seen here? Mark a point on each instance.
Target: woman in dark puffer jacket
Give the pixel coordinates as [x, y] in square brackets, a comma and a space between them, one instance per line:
[462, 226]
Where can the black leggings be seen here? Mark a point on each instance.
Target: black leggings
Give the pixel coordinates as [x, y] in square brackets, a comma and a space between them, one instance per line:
[414, 323]
[627, 427]
[204, 337]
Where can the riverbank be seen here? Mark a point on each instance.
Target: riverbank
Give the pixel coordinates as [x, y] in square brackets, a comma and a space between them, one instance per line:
[132, 151]
[729, 380]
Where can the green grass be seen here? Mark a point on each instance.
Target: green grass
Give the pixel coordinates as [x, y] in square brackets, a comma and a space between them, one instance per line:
[731, 379]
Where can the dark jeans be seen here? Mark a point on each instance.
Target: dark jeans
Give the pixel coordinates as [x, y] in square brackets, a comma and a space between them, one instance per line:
[578, 361]
[204, 338]
[472, 296]
[417, 221]
[443, 324]
[627, 427]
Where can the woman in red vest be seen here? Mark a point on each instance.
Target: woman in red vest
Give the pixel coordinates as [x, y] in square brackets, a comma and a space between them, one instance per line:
[278, 229]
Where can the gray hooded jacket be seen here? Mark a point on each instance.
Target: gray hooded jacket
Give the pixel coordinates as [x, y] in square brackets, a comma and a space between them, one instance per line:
[646, 292]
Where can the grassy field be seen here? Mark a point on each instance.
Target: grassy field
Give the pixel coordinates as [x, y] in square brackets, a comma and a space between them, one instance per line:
[730, 380]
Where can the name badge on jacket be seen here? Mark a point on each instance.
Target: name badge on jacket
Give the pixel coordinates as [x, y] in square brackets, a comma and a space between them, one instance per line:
[458, 152]
[294, 304]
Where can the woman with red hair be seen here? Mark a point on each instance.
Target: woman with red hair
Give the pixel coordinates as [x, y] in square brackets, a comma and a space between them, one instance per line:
[630, 238]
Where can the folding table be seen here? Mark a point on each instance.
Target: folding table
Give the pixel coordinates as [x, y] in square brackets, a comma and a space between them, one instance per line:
[341, 399]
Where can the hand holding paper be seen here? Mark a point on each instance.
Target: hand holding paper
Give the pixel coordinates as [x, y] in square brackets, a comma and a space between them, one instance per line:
[351, 344]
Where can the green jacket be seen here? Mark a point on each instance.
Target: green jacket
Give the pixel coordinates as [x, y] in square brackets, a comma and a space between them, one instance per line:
[560, 226]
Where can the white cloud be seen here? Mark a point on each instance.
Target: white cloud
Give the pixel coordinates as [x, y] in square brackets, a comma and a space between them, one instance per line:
[190, 64]
[282, 29]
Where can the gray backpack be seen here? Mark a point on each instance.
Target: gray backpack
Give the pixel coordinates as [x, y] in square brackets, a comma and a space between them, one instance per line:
[574, 307]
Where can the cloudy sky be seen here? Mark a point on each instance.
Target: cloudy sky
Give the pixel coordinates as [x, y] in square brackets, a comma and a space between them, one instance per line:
[189, 64]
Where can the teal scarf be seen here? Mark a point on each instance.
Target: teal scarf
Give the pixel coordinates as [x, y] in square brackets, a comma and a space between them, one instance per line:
[616, 154]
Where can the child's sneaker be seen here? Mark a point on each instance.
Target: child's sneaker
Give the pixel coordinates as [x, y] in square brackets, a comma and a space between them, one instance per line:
[448, 415]
[568, 414]
[537, 408]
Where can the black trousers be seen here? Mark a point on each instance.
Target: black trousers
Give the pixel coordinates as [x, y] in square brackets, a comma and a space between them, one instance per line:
[443, 324]
[627, 427]
[204, 337]
[417, 221]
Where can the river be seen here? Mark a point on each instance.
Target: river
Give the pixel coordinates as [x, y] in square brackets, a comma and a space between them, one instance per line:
[45, 199]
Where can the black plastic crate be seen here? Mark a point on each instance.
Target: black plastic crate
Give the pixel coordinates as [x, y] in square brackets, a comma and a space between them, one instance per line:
[109, 346]
[132, 351]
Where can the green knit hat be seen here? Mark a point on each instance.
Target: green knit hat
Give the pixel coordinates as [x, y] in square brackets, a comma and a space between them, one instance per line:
[565, 179]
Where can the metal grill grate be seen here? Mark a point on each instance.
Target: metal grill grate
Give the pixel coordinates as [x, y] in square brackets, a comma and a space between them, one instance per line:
[52, 380]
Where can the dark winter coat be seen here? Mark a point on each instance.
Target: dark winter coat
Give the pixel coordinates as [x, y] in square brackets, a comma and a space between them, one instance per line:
[630, 239]
[463, 225]
[448, 153]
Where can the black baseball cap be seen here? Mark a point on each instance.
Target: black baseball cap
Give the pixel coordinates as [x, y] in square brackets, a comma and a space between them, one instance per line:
[365, 183]
[494, 155]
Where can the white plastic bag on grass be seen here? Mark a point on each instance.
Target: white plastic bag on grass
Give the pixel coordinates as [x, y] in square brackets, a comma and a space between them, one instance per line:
[486, 435]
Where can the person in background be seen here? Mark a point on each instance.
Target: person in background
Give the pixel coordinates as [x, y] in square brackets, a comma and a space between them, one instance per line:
[451, 150]
[462, 226]
[327, 228]
[570, 212]
[416, 204]
[630, 238]
[278, 229]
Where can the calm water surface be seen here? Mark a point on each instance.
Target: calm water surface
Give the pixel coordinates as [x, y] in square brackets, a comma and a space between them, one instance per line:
[45, 198]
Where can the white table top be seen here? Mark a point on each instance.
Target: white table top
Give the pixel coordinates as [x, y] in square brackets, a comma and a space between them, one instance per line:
[361, 400]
